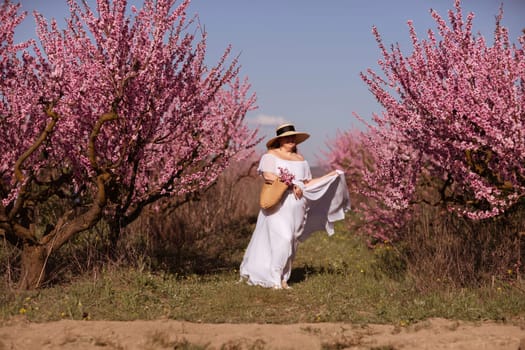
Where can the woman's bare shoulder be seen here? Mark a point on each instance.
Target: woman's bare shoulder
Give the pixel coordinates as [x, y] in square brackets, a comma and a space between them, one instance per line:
[299, 156]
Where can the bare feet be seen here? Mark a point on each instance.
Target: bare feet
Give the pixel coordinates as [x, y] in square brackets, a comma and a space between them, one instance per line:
[285, 285]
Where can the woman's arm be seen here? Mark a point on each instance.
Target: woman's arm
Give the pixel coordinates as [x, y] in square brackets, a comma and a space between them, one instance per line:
[317, 179]
[269, 177]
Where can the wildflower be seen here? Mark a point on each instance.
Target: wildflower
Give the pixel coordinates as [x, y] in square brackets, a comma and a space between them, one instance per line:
[22, 311]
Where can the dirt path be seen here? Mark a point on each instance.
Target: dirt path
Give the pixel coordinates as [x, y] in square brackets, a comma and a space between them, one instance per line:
[433, 334]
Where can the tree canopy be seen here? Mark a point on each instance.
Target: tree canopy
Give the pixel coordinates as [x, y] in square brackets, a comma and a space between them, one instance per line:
[119, 109]
[454, 116]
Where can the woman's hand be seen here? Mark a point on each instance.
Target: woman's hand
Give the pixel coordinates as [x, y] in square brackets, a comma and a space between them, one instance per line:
[297, 192]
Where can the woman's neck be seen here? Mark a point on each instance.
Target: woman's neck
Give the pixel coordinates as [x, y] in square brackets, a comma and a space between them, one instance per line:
[287, 154]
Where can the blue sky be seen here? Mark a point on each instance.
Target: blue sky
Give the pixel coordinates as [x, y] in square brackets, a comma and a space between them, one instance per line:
[303, 57]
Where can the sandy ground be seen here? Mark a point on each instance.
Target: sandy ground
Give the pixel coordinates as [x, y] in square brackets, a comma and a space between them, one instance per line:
[433, 334]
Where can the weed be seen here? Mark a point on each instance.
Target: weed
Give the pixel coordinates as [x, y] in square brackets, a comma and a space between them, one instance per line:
[311, 330]
[325, 295]
[334, 279]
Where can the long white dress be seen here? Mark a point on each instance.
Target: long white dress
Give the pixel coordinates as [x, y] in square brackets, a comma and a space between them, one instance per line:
[269, 255]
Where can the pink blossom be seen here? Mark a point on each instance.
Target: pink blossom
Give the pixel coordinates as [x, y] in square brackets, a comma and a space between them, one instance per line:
[285, 176]
[453, 117]
[126, 94]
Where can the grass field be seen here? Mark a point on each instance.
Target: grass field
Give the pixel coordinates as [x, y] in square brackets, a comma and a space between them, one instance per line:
[334, 279]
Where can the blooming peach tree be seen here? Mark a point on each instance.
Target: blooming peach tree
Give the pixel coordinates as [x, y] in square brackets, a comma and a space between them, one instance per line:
[113, 113]
[454, 116]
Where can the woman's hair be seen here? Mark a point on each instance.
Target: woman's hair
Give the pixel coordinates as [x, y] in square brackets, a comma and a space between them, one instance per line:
[277, 144]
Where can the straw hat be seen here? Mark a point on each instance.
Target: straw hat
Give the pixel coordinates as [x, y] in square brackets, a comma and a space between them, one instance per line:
[287, 130]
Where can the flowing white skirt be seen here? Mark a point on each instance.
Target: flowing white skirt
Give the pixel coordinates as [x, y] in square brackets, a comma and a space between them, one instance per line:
[269, 255]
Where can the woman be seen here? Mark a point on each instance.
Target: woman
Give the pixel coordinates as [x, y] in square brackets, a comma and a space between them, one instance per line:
[309, 205]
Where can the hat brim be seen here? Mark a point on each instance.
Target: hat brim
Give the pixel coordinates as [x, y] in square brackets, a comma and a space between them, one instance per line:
[299, 137]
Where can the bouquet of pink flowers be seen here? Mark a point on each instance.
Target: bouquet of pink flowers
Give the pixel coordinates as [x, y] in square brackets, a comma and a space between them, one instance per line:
[285, 176]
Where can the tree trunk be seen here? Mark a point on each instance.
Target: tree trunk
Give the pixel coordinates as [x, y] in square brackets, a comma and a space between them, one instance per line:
[32, 265]
[114, 237]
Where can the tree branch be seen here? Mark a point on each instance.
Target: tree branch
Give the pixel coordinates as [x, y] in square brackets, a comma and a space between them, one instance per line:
[43, 136]
[65, 229]
[106, 117]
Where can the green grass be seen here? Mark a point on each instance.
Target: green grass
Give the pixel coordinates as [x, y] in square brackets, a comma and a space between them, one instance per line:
[335, 279]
